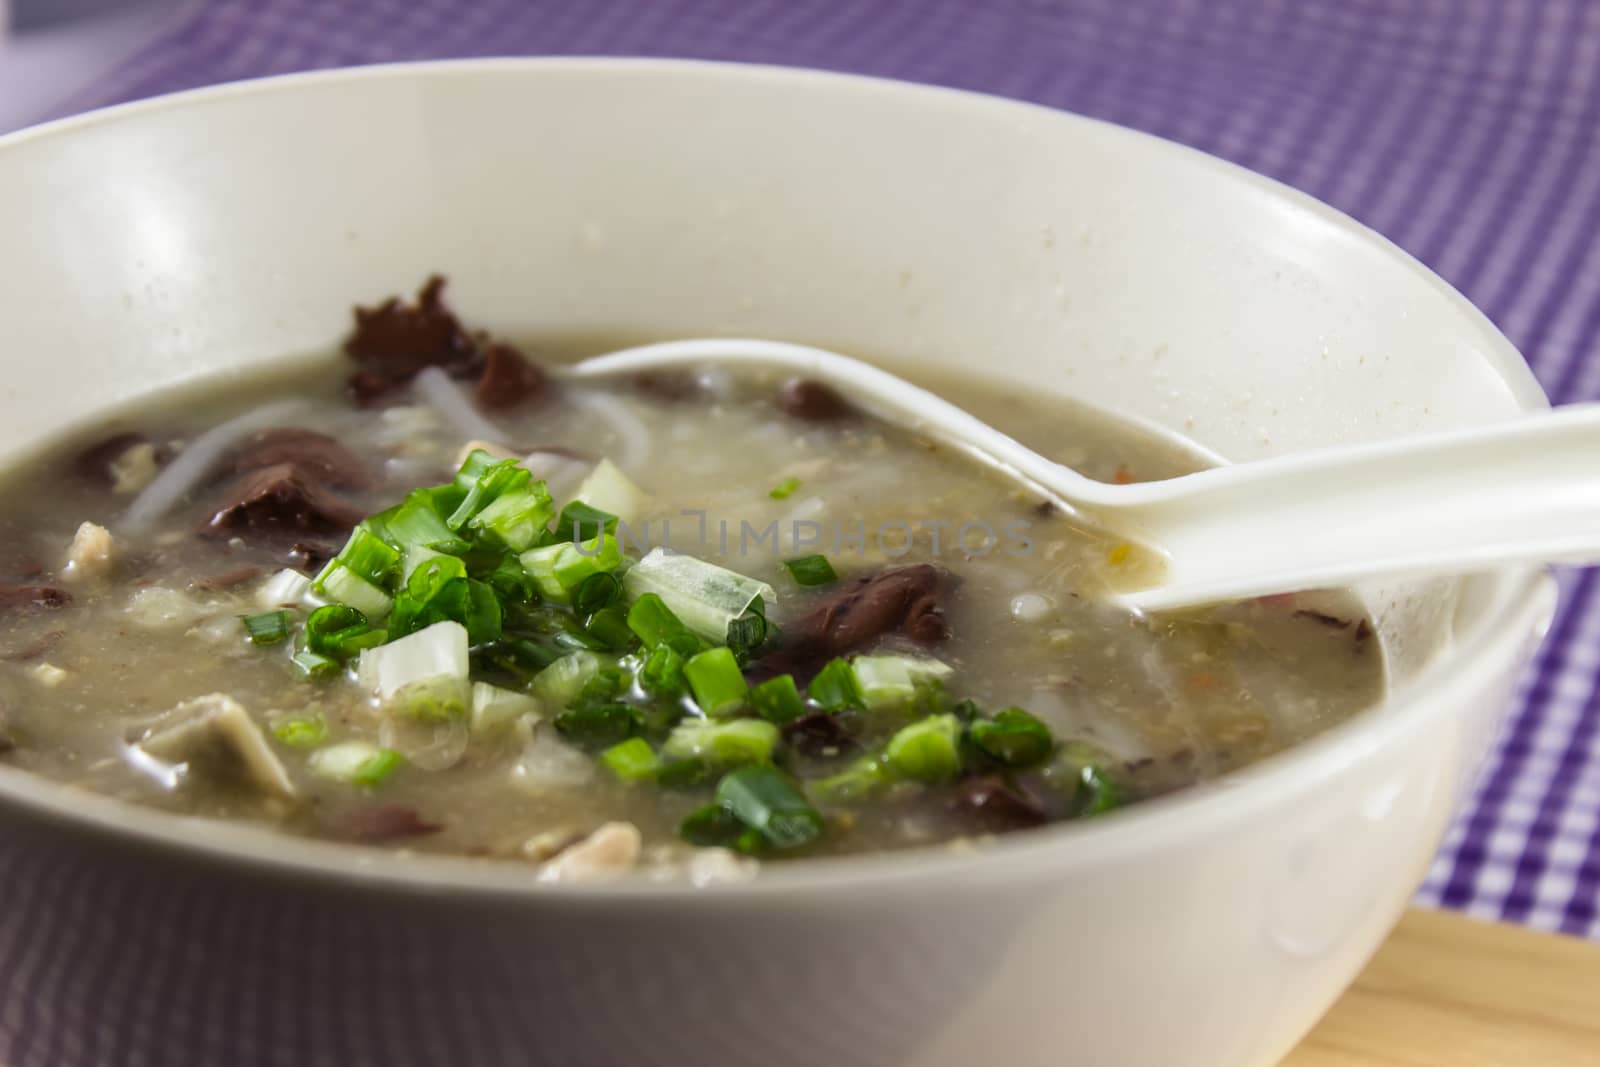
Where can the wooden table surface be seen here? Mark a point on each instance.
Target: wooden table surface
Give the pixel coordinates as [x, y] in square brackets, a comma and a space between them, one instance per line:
[1447, 991]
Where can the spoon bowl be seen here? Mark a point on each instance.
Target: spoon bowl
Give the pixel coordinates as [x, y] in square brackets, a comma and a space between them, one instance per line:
[1522, 490]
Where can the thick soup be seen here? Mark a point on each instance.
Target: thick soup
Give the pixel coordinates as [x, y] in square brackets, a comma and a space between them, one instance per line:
[430, 596]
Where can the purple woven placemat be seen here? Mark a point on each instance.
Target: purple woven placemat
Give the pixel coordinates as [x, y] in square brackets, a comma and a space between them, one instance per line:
[1468, 131]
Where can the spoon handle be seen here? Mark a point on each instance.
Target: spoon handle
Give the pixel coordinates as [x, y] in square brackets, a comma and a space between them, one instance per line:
[1523, 490]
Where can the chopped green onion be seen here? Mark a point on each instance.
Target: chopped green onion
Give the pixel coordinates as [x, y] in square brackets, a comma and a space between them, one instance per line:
[656, 625]
[855, 783]
[714, 826]
[784, 489]
[605, 685]
[580, 522]
[1081, 772]
[765, 800]
[811, 570]
[560, 568]
[835, 687]
[609, 626]
[662, 673]
[777, 699]
[926, 751]
[377, 768]
[967, 710]
[496, 480]
[285, 589]
[509, 581]
[356, 762]
[891, 681]
[704, 596]
[1013, 737]
[368, 556]
[597, 726]
[608, 490]
[632, 760]
[596, 591]
[333, 629]
[314, 664]
[735, 743]
[716, 681]
[684, 773]
[418, 524]
[268, 628]
[301, 731]
[517, 518]
[558, 685]
[748, 633]
[439, 651]
[493, 707]
[339, 584]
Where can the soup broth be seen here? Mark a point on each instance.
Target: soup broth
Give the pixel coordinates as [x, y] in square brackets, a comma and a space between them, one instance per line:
[957, 670]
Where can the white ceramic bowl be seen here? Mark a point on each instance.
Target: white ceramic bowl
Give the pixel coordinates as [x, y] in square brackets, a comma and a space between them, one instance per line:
[215, 232]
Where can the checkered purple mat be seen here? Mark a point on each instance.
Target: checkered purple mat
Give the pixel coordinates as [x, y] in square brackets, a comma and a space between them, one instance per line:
[1468, 131]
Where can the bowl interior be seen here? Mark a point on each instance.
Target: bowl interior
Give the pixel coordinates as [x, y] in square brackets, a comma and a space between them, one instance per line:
[656, 199]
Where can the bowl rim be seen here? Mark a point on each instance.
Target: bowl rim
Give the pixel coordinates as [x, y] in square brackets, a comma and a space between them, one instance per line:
[1525, 594]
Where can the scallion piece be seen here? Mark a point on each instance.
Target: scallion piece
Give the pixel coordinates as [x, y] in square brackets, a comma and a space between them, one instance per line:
[656, 625]
[341, 585]
[376, 768]
[765, 800]
[662, 673]
[1013, 737]
[632, 760]
[852, 785]
[496, 480]
[301, 731]
[559, 569]
[784, 489]
[684, 773]
[331, 625]
[517, 518]
[608, 490]
[598, 726]
[494, 707]
[314, 664]
[609, 626]
[596, 591]
[777, 699]
[811, 570]
[927, 750]
[268, 628]
[558, 685]
[706, 597]
[716, 681]
[369, 556]
[714, 826]
[892, 681]
[417, 524]
[580, 522]
[835, 687]
[735, 743]
[1080, 772]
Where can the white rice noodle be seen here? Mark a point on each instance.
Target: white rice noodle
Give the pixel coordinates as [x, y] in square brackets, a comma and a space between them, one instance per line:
[444, 396]
[560, 472]
[195, 462]
[633, 440]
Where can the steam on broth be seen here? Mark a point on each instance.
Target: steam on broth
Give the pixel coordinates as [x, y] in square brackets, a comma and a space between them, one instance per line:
[431, 598]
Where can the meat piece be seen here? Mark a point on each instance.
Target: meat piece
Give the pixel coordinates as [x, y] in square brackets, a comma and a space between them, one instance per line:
[91, 555]
[94, 462]
[900, 600]
[31, 599]
[217, 731]
[395, 340]
[316, 457]
[508, 381]
[228, 578]
[281, 500]
[812, 401]
[995, 806]
[309, 554]
[606, 853]
[377, 823]
[819, 734]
